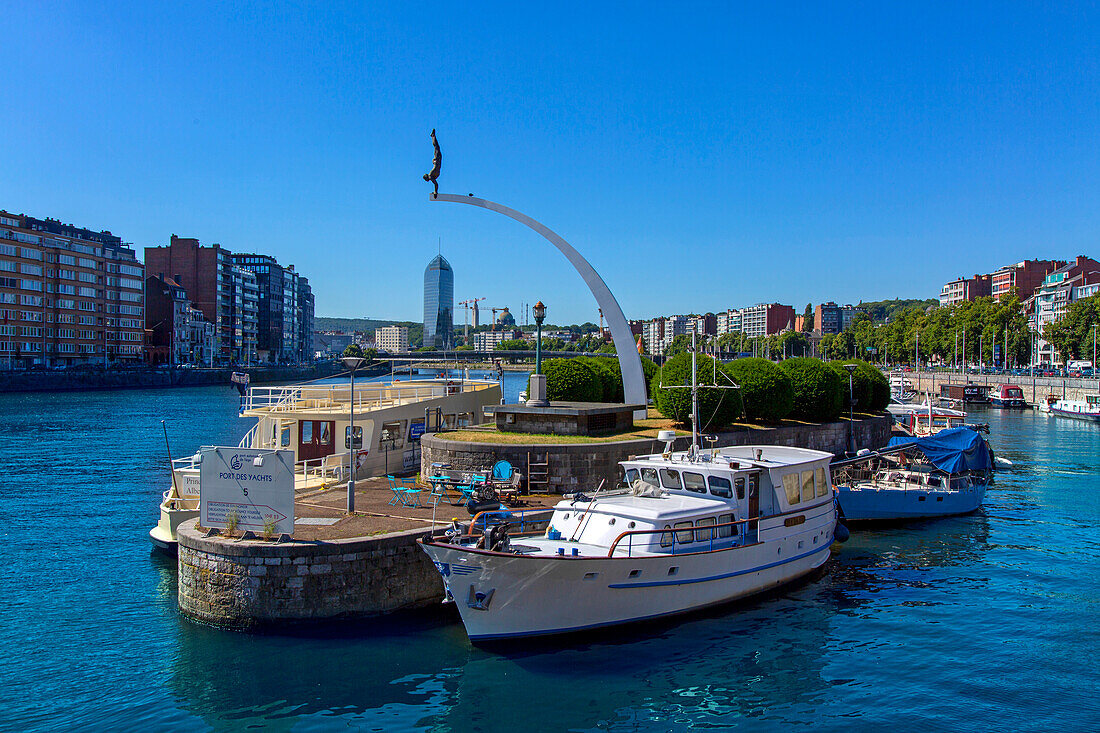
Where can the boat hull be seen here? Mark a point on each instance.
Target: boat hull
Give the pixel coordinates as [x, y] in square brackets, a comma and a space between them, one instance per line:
[863, 504]
[503, 596]
[163, 536]
[1006, 403]
[1086, 416]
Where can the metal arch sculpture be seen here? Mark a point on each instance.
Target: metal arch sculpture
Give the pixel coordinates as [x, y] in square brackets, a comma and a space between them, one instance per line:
[626, 349]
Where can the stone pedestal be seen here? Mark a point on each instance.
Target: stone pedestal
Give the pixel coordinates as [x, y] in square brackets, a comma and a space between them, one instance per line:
[537, 396]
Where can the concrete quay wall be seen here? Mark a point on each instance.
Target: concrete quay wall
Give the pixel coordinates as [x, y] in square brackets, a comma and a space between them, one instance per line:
[243, 584]
[1035, 389]
[581, 466]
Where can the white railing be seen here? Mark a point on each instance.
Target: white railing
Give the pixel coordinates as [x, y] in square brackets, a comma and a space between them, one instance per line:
[368, 396]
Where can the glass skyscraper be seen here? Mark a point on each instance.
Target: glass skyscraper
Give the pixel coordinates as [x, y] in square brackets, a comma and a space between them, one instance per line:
[439, 303]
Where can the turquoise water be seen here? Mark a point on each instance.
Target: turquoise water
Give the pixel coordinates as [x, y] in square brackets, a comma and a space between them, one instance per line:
[984, 622]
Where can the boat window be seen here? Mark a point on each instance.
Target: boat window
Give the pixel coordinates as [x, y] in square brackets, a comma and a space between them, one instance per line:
[791, 486]
[358, 437]
[720, 487]
[695, 482]
[706, 535]
[725, 519]
[934, 481]
[391, 431]
[739, 486]
[448, 422]
[666, 537]
[284, 438]
[670, 479]
[649, 475]
[629, 477]
[754, 480]
[822, 482]
[326, 433]
[307, 431]
[807, 485]
[685, 531]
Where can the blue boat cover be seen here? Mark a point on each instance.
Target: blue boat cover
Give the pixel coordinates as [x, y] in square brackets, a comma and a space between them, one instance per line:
[954, 450]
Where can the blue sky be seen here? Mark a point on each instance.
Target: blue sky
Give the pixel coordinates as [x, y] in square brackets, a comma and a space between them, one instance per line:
[701, 156]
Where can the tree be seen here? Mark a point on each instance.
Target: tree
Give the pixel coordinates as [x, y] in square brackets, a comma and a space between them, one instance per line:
[808, 318]
[818, 396]
[354, 350]
[571, 380]
[766, 390]
[1072, 335]
[679, 345]
[514, 345]
[717, 407]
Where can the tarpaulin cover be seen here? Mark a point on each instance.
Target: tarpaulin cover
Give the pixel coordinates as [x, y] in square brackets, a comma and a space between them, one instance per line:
[954, 450]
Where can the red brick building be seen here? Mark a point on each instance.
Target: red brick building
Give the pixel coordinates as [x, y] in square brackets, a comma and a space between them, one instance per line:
[1025, 276]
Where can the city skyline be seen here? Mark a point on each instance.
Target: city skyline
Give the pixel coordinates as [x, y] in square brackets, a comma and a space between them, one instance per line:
[699, 160]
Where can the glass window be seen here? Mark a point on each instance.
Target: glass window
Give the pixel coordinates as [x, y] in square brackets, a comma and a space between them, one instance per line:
[739, 487]
[649, 475]
[754, 482]
[725, 519]
[670, 479]
[392, 431]
[284, 438]
[326, 433]
[307, 431]
[807, 485]
[720, 487]
[695, 482]
[629, 477]
[685, 532]
[822, 483]
[791, 487]
[358, 437]
[666, 537]
[706, 535]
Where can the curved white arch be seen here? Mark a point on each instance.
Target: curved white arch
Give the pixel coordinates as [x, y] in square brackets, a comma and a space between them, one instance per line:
[626, 349]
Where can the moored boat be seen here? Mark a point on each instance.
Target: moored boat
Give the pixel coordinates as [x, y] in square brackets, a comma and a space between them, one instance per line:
[389, 419]
[1086, 409]
[916, 478]
[1007, 396]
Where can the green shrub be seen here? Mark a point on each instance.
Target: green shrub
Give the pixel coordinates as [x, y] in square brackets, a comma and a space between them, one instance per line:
[766, 390]
[571, 380]
[869, 386]
[818, 396]
[649, 369]
[611, 378]
[717, 407]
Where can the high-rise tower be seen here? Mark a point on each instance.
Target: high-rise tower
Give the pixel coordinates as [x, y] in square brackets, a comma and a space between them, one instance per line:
[439, 301]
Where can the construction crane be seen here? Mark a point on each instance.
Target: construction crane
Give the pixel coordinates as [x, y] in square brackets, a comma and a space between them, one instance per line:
[467, 304]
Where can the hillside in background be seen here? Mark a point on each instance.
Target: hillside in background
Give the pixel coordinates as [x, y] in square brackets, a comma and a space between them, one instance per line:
[880, 310]
[322, 323]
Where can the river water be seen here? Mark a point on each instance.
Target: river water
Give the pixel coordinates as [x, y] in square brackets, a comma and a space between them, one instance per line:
[975, 623]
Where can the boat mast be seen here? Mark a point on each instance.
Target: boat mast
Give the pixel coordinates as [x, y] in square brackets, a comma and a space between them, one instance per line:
[694, 398]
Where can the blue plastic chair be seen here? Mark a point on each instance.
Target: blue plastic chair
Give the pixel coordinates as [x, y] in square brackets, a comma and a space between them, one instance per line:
[411, 492]
[502, 471]
[398, 492]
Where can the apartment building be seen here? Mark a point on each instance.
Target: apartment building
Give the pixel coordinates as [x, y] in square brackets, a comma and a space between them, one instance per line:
[832, 318]
[490, 340]
[1051, 299]
[1025, 276]
[392, 339]
[68, 295]
[965, 288]
[765, 319]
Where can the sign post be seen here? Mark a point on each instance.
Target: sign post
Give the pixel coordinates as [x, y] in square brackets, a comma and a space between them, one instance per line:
[251, 489]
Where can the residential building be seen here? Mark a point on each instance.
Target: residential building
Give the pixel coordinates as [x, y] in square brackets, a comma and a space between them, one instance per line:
[654, 335]
[1051, 300]
[167, 322]
[285, 304]
[490, 340]
[1025, 276]
[439, 300]
[765, 319]
[68, 295]
[227, 295]
[305, 320]
[965, 289]
[674, 326]
[832, 318]
[728, 322]
[392, 339]
[332, 343]
[203, 340]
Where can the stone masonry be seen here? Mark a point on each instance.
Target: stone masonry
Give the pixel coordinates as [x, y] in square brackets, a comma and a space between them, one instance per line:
[244, 584]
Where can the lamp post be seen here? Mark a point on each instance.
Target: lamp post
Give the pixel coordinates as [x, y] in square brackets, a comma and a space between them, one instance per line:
[1094, 351]
[352, 363]
[851, 399]
[537, 398]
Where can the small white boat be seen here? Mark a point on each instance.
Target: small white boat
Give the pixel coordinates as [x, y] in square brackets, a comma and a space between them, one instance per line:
[684, 531]
[1086, 409]
[937, 476]
[924, 419]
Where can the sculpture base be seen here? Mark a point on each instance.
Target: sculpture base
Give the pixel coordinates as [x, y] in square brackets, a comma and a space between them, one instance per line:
[537, 391]
[565, 418]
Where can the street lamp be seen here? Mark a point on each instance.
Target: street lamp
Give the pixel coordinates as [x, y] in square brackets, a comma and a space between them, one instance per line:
[851, 400]
[537, 398]
[352, 363]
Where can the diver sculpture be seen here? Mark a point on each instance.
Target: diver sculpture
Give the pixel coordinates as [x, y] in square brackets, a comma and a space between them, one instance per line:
[437, 163]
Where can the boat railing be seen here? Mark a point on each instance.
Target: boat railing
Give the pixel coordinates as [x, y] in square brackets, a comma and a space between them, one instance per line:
[736, 539]
[246, 441]
[509, 515]
[369, 396]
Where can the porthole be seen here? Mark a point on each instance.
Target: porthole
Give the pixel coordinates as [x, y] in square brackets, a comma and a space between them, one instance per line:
[673, 570]
[635, 573]
[590, 576]
[632, 525]
[611, 521]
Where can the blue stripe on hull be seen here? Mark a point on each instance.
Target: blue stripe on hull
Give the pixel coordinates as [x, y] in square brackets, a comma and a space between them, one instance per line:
[635, 619]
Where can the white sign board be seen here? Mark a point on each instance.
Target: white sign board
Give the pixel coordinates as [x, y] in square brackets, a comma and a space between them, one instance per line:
[256, 486]
[187, 483]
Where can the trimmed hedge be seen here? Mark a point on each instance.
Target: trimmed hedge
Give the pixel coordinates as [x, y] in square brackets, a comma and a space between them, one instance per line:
[649, 369]
[818, 395]
[611, 379]
[766, 389]
[869, 385]
[717, 407]
[571, 380]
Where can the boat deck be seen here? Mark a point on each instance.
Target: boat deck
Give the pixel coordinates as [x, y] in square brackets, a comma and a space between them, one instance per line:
[374, 514]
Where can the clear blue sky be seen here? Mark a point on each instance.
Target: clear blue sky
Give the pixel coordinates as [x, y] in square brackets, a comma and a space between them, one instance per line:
[700, 156]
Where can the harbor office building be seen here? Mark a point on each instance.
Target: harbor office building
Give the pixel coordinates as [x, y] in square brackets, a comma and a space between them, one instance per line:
[68, 296]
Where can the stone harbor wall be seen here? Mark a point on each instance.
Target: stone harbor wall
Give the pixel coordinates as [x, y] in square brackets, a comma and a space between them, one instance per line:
[581, 466]
[245, 584]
